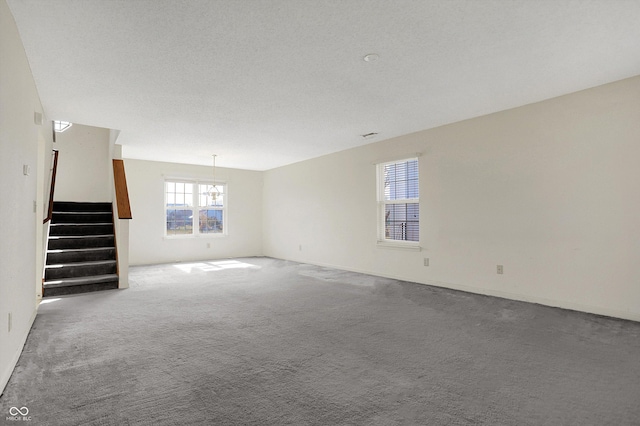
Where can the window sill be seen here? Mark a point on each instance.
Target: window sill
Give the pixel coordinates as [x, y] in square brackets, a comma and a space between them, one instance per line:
[399, 246]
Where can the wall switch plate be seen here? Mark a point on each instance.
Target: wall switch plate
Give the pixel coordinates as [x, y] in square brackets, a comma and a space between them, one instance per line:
[426, 261]
[208, 245]
[26, 169]
[300, 247]
[500, 269]
[9, 322]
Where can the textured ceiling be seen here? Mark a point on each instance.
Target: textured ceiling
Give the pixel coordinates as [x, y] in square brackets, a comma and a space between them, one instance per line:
[266, 83]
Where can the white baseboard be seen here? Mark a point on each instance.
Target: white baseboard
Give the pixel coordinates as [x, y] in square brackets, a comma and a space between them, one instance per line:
[6, 375]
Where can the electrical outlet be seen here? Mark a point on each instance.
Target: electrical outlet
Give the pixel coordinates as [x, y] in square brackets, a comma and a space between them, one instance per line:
[426, 261]
[300, 247]
[500, 269]
[208, 245]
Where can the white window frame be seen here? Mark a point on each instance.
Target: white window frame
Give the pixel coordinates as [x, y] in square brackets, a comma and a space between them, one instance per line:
[382, 240]
[195, 207]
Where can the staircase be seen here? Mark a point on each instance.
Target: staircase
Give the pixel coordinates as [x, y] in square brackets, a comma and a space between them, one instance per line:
[81, 254]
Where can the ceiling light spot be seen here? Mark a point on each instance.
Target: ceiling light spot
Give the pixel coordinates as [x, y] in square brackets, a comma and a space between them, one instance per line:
[371, 57]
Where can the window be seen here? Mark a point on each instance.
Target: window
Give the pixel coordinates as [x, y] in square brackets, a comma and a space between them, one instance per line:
[179, 208]
[61, 126]
[398, 201]
[194, 208]
[211, 209]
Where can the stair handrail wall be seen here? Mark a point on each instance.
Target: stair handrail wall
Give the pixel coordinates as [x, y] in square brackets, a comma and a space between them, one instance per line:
[121, 210]
[52, 186]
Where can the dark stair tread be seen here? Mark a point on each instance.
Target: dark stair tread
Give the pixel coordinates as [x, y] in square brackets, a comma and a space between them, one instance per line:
[84, 263]
[57, 242]
[57, 229]
[57, 237]
[60, 270]
[82, 250]
[66, 282]
[81, 217]
[79, 289]
[84, 207]
[81, 223]
[82, 212]
[79, 254]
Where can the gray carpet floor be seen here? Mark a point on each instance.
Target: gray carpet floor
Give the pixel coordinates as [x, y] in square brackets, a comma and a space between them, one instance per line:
[259, 341]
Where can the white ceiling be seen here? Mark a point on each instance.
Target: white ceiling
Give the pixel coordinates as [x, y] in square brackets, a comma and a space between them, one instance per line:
[267, 83]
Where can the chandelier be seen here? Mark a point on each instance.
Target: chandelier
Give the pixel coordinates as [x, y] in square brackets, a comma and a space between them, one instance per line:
[212, 190]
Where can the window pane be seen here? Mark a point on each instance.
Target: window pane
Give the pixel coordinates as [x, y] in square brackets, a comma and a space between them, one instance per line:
[170, 190]
[413, 212]
[412, 232]
[179, 194]
[389, 182]
[188, 194]
[179, 222]
[211, 221]
[412, 188]
[399, 211]
[203, 194]
[401, 180]
[402, 222]
[210, 195]
[400, 190]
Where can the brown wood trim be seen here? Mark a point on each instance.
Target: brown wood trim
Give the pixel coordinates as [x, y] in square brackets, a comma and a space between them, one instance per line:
[53, 186]
[122, 194]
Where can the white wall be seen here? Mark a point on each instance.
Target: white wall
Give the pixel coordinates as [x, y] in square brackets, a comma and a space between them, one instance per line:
[121, 226]
[549, 190]
[84, 164]
[21, 224]
[148, 245]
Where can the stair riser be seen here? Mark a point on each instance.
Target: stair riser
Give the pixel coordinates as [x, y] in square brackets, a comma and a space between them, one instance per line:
[78, 271]
[60, 291]
[67, 206]
[82, 218]
[57, 230]
[81, 256]
[79, 243]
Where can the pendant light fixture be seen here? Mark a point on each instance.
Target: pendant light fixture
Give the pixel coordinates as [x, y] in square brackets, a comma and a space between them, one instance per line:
[213, 191]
